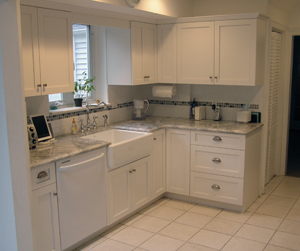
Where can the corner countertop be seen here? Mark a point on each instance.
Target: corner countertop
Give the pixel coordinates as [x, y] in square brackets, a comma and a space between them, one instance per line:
[154, 123]
[70, 145]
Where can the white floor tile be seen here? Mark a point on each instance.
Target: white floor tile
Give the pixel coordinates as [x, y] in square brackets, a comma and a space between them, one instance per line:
[182, 205]
[265, 221]
[91, 244]
[179, 231]
[275, 248]
[276, 211]
[194, 220]
[166, 213]
[151, 224]
[286, 192]
[223, 226]
[162, 243]
[255, 233]
[149, 209]
[289, 226]
[194, 247]
[113, 230]
[111, 245]
[240, 244]
[262, 198]
[132, 236]
[254, 207]
[210, 239]
[294, 214]
[286, 240]
[132, 219]
[280, 201]
[162, 201]
[234, 216]
[297, 205]
[209, 211]
[139, 249]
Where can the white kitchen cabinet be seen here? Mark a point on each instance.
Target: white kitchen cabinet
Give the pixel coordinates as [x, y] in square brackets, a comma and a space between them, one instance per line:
[45, 225]
[178, 161]
[144, 51]
[159, 171]
[225, 167]
[228, 52]
[167, 53]
[47, 51]
[130, 187]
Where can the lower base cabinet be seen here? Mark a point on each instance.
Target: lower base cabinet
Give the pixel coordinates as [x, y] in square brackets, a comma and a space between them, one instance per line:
[45, 223]
[129, 188]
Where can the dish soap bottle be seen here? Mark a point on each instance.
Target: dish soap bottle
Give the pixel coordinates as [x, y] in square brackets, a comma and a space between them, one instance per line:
[74, 127]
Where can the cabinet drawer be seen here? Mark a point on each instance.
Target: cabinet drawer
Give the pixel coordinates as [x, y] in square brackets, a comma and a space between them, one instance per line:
[224, 140]
[217, 188]
[219, 161]
[42, 176]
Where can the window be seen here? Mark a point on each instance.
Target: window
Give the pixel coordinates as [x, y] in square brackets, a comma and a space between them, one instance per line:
[81, 56]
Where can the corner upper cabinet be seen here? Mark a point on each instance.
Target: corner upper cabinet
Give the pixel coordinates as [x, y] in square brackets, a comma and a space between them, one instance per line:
[143, 39]
[230, 52]
[166, 53]
[47, 51]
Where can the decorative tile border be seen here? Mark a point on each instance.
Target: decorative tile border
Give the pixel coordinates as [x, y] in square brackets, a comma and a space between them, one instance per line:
[157, 102]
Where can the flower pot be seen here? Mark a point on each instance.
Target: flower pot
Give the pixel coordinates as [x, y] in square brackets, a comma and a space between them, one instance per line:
[78, 102]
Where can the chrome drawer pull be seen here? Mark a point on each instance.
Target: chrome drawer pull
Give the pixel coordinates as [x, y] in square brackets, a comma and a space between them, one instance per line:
[42, 174]
[217, 138]
[133, 170]
[216, 160]
[215, 186]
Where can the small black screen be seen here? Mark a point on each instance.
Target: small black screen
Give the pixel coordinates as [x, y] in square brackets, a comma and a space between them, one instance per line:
[41, 127]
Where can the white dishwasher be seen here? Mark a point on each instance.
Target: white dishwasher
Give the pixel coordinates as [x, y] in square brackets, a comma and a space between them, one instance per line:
[81, 190]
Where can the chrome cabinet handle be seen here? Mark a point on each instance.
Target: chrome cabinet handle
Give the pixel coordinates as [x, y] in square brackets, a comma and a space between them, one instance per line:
[45, 85]
[154, 138]
[133, 170]
[216, 77]
[42, 174]
[217, 138]
[215, 186]
[146, 76]
[210, 77]
[130, 171]
[216, 160]
[55, 194]
[39, 85]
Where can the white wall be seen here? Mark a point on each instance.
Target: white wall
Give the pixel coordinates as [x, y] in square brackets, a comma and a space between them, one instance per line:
[15, 221]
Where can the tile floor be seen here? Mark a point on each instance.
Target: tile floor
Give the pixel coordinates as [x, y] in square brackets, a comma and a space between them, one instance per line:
[272, 223]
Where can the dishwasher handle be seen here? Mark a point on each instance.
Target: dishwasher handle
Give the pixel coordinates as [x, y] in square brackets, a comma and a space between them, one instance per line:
[68, 167]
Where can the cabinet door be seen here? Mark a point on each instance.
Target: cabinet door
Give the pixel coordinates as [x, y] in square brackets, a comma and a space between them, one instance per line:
[45, 219]
[141, 182]
[30, 51]
[143, 38]
[56, 51]
[178, 161]
[235, 52]
[167, 59]
[195, 53]
[158, 154]
[119, 193]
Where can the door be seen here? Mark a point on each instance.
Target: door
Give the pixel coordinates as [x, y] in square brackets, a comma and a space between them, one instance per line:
[178, 161]
[235, 52]
[45, 219]
[30, 51]
[195, 53]
[119, 193]
[56, 51]
[158, 154]
[141, 182]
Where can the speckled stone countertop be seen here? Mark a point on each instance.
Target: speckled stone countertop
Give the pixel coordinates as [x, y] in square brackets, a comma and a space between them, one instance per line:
[65, 146]
[69, 145]
[154, 123]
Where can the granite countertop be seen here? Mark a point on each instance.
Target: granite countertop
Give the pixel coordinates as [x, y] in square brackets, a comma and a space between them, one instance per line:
[70, 145]
[154, 123]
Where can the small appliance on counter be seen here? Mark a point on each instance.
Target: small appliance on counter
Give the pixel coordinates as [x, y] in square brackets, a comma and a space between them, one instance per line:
[32, 136]
[139, 113]
[200, 112]
[43, 130]
[243, 116]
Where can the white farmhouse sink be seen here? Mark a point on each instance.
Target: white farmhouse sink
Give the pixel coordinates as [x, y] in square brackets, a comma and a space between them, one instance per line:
[126, 146]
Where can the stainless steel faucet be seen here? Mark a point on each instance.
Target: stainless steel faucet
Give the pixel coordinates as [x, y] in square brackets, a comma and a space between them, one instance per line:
[105, 120]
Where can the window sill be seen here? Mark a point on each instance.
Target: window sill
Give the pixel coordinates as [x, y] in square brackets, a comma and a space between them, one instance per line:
[63, 110]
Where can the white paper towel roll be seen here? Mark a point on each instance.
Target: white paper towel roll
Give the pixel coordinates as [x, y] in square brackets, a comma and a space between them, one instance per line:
[164, 91]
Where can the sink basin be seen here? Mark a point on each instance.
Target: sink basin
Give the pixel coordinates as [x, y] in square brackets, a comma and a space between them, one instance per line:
[126, 146]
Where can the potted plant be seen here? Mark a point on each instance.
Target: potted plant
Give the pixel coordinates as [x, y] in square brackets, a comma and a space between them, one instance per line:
[82, 87]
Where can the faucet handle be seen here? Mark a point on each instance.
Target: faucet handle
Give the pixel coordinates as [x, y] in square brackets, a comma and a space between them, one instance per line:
[95, 122]
[81, 125]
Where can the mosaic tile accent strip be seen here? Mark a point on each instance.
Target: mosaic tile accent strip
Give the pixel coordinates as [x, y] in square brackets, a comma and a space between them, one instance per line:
[157, 102]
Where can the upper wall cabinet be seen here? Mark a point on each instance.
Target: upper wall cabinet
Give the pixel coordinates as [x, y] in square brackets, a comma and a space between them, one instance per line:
[143, 42]
[47, 51]
[167, 42]
[131, 55]
[222, 52]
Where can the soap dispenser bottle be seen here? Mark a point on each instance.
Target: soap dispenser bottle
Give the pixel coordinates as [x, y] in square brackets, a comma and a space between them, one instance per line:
[74, 126]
